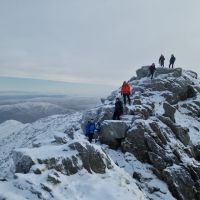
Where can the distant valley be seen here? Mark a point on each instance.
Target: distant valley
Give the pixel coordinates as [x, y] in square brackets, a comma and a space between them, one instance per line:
[29, 107]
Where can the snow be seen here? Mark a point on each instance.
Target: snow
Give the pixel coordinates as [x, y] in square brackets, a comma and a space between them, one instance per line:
[10, 126]
[37, 140]
[130, 164]
[190, 122]
[115, 184]
[41, 131]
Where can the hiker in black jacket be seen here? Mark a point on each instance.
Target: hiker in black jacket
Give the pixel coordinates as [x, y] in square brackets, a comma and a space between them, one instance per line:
[162, 60]
[118, 109]
[172, 61]
[152, 69]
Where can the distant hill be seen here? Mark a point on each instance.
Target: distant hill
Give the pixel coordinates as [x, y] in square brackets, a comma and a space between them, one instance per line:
[28, 107]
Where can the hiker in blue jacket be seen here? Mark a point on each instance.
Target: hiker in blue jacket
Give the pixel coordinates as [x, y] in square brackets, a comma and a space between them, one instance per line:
[90, 129]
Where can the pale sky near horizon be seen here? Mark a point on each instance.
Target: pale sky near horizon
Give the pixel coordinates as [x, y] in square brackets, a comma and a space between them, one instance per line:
[95, 41]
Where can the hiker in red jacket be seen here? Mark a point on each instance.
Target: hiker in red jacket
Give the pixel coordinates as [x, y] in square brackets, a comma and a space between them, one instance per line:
[126, 91]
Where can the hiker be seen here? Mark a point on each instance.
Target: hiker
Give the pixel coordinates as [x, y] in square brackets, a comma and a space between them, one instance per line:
[97, 131]
[152, 69]
[118, 109]
[125, 92]
[172, 61]
[90, 129]
[162, 60]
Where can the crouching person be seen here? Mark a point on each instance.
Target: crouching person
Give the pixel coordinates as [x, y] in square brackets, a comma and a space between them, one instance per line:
[90, 129]
[118, 109]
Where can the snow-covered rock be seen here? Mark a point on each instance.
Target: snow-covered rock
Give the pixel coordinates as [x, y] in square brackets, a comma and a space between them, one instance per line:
[112, 132]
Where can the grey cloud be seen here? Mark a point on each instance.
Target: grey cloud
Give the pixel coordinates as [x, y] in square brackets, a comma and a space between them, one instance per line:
[95, 41]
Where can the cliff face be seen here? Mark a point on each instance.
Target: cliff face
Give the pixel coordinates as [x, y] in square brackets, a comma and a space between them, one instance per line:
[161, 128]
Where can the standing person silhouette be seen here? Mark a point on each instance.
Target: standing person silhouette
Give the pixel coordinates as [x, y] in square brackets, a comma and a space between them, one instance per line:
[90, 129]
[172, 61]
[126, 91]
[162, 60]
[118, 109]
[152, 69]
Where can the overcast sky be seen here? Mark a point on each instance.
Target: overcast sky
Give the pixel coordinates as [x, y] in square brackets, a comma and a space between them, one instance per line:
[95, 41]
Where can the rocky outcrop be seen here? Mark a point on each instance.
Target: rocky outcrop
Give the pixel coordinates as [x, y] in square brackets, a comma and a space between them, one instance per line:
[154, 137]
[92, 159]
[22, 162]
[180, 132]
[180, 182]
[174, 88]
[112, 132]
[100, 114]
[135, 142]
[144, 71]
[169, 111]
[80, 157]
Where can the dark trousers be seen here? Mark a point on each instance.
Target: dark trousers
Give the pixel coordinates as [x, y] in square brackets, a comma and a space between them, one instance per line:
[116, 115]
[128, 97]
[90, 137]
[162, 64]
[171, 64]
[151, 74]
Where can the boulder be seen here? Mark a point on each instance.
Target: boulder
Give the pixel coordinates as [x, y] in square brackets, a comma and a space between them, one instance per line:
[170, 97]
[92, 159]
[143, 111]
[144, 71]
[157, 161]
[192, 74]
[179, 182]
[60, 138]
[169, 111]
[99, 114]
[182, 133]
[80, 156]
[135, 142]
[157, 154]
[22, 162]
[177, 72]
[158, 131]
[192, 107]
[191, 92]
[112, 132]
[137, 101]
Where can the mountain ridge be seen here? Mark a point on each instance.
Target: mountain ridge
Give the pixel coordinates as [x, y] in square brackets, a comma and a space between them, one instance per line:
[149, 153]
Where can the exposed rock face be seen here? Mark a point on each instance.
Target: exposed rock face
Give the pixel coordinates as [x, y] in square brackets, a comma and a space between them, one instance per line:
[93, 160]
[175, 86]
[144, 71]
[112, 132]
[180, 182]
[180, 132]
[86, 156]
[192, 108]
[99, 114]
[156, 138]
[135, 142]
[22, 162]
[60, 138]
[169, 111]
